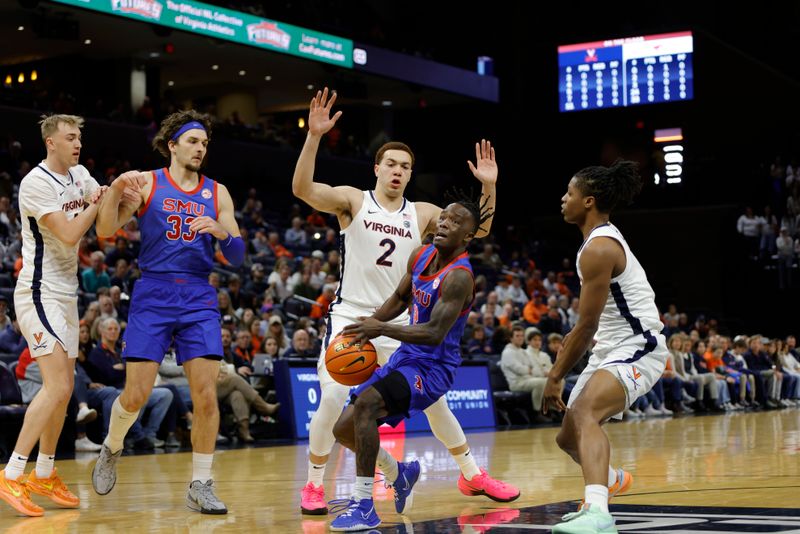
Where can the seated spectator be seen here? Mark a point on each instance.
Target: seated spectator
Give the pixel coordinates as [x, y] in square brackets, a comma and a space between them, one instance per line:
[224, 305]
[517, 293]
[303, 288]
[492, 304]
[523, 371]
[332, 265]
[323, 302]
[277, 331]
[95, 276]
[317, 274]
[295, 235]
[123, 276]
[121, 252]
[480, 344]
[279, 282]
[261, 247]
[278, 250]
[257, 283]
[234, 391]
[11, 339]
[106, 368]
[29, 378]
[769, 380]
[121, 305]
[243, 349]
[316, 221]
[301, 346]
[535, 309]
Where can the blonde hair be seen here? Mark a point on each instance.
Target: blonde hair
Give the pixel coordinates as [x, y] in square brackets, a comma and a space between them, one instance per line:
[49, 123]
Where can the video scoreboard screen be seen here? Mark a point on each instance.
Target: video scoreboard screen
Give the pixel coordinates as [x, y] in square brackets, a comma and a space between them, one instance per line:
[625, 72]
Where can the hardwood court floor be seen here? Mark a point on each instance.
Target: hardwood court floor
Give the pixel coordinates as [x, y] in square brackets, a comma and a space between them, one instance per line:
[736, 460]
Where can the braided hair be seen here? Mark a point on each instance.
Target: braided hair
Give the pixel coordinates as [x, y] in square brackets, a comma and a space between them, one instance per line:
[611, 187]
[480, 213]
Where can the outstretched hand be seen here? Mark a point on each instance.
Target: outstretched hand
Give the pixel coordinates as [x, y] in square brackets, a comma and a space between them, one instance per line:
[319, 116]
[485, 168]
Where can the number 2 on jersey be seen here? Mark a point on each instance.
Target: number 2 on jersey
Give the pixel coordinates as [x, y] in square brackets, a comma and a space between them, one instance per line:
[383, 259]
[177, 232]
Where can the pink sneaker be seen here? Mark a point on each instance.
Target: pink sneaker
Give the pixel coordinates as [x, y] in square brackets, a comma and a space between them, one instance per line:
[483, 484]
[312, 500]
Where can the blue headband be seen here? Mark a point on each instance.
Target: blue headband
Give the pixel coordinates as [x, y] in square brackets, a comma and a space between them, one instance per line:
[194, 125]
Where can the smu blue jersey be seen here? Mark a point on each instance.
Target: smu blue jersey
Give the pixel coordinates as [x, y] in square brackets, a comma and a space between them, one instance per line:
[167, 244]
[427, 290]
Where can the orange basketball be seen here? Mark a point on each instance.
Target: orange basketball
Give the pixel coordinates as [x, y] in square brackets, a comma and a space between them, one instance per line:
[350, 365]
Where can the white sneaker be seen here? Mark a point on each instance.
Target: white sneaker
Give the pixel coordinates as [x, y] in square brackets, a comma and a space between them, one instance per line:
[651, 412]
[84, 444]
[629, 414]
[86, 415]
[665, 411]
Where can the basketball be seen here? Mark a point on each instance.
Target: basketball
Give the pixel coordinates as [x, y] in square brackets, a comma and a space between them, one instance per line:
[350, 365]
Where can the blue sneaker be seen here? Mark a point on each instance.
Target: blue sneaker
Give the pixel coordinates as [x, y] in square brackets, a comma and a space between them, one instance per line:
[359, 516]
[407, 476]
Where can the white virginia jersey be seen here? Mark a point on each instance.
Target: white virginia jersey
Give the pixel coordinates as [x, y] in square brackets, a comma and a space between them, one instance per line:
[630, 312]
[375, 249]
[47, 263]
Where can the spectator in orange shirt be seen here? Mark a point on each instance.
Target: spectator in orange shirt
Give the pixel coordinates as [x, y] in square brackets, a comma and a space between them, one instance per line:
[534, 309]
[323, 301]
[278, 250]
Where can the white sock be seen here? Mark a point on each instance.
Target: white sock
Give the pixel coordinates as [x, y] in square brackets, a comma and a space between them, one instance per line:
[121, 421]
[388, 465]
[201, 466]
[363, 488]
[315, 473]
[612, 476]
[15, 466]
[597, 496]
[44, 465]
[466, 462]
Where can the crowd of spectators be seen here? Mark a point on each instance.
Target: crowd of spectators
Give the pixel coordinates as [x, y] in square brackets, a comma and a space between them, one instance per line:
[275, 304]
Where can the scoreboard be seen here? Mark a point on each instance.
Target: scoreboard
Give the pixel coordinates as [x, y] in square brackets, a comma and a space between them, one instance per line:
[625, 72]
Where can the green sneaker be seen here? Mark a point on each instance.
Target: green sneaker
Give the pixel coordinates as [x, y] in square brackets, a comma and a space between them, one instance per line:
[589, 520]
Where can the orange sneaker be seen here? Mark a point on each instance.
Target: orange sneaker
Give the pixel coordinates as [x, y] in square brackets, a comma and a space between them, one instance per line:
[622, 485]
[53, 488]
[15, 493]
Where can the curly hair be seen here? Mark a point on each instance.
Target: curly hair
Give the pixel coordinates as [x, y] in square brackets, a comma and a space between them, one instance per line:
[480, 213]
[610, 186]
[173, 123]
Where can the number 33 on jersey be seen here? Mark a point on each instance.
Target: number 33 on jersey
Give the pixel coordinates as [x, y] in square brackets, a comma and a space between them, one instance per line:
[169, 211]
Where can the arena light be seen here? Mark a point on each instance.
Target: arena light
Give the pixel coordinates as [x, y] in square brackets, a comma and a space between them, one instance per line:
[301, 123]
[242, 72]
[9, 79]
[20, 28]
[268, 78]
[34, 75]
[21, 77]
[214, 67]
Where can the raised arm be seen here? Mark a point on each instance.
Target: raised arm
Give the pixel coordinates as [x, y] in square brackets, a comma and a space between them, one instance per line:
[485, 170]
[456, 293]
[322, 197]
[597, 265]
[121, 201]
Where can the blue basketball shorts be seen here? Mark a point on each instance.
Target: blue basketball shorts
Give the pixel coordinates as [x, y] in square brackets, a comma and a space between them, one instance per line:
[173, 311]
[426, 380]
